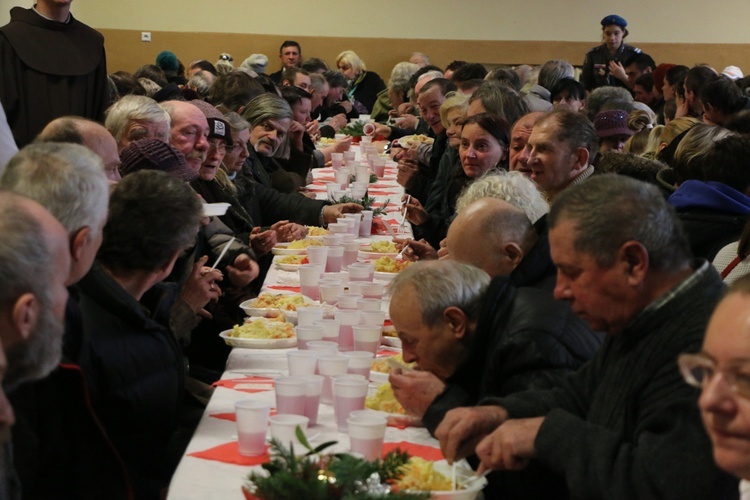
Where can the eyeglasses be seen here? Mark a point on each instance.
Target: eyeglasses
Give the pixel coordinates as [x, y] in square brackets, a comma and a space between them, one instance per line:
[218, 146]
[698, 370]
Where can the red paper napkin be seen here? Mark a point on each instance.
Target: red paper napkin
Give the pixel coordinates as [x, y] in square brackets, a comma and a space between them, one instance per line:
[393, 222]
[415, 450]
[387, 352]
[264, 384]
[229, 453]
[379, 192]
[285, 288]
[232, 417]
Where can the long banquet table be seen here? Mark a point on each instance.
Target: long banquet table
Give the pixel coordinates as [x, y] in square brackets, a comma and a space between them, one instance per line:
[211, 467]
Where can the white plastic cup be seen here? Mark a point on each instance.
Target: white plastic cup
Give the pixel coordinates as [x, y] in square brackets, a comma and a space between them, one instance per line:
[361, 271]
[358, 192]
[348, 319]
[317, 255]
[369, 304]
[309, 275]
[353, 287]
[338, 227]
[330, 291]
[348, 301]
[323, 347]
[307, 334]
[312, 402]
[331, 188]
[252, 424]
[334, 259]
[331, 365]
[372, 290]
[362, 175]
[284, 429]
[350, 156]
[357, 221]
[331, 330]
[328, 278]
[365, 226]
[307, 316]
[373, 318]
[337, 156]
[290, 395]
[348, 395]
[369, 129]
[342, 178]
[351, 249]
[338, 137]
[360, 362]
[332, 240]
[367, 337]
[349, 224]
[366, 434]
[302, 363]
[378, 167]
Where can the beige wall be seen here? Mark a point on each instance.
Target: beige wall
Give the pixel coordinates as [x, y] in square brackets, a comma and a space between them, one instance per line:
[488, 31]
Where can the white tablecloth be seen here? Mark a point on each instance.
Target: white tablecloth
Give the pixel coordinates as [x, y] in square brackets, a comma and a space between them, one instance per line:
[201, 479]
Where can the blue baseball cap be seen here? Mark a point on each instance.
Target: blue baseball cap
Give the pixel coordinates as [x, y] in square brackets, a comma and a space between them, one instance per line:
[614, 19]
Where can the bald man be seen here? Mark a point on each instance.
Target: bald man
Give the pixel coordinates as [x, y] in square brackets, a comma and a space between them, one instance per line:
[88, 133]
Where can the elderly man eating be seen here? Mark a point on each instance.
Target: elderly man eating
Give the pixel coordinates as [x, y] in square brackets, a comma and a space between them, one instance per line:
[625, 425]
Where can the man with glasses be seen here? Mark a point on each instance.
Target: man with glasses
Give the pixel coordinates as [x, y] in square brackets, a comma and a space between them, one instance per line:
[722, 370]
[625, 425]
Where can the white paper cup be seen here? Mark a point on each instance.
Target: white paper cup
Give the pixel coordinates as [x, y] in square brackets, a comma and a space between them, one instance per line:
[373, 318]
[357, 220]
[369, 304]
[342, 178]
[252, 424]
[284, 429]
[302, 363]
[348, 395]
[338, 156]
[348, 319]
[360, 362]
[331, 365]
[350, 156]
[290, 395]
[366, 434]
[367, 337]
[331, 330]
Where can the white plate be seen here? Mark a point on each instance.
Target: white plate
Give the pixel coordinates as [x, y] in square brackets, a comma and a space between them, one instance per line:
[463, 473]
[283, 250]
[392, 341]
[263, 312]
[257, 343]
[215, 209]
[379, 275]
[409, 141]
[288, 267]
[375, 255]
[378, 378]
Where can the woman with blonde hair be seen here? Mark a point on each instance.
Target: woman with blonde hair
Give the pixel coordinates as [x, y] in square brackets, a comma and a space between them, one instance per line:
[364, 85]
